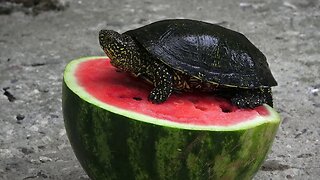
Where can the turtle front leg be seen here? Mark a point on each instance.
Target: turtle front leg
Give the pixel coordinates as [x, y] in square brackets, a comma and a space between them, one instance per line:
[162, 81]
[251, 98]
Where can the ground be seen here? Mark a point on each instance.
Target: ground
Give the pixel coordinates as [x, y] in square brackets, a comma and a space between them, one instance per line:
[35, 47]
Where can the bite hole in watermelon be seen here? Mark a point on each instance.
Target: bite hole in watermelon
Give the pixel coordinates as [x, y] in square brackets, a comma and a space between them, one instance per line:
[225, 109]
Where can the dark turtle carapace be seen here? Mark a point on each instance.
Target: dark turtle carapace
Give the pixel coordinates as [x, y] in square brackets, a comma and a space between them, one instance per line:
[187, 55]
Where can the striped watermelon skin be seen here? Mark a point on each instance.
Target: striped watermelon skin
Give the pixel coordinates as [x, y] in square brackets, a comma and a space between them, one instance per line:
[112, 146]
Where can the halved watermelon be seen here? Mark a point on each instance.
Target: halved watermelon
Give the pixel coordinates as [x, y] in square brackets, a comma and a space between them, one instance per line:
[116, 133]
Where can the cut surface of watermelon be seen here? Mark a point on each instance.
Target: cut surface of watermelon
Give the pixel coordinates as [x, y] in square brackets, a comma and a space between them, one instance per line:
[98, 82]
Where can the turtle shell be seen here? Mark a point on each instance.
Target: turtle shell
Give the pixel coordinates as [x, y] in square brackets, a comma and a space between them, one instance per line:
[206, 51]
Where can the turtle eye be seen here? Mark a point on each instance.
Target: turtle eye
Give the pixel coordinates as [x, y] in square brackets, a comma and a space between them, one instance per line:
[102, 40]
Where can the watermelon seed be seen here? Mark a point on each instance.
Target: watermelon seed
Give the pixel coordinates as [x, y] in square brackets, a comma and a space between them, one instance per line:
[137, 98]
[201, 108]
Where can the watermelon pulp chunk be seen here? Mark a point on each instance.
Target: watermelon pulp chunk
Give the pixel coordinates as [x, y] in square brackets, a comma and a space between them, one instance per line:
[102, 81]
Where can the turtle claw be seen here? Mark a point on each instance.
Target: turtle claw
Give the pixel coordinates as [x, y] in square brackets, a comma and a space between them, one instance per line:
[156, 96]
[159, 95]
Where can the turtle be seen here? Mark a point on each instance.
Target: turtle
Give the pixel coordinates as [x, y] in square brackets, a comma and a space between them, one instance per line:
[177, 55]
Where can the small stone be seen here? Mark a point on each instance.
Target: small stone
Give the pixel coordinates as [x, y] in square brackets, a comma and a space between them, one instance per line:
[41, 147]
[42, 175]
[306, 155]
[14, 81]
[26, 151]
[314, 91]
[34, 128]
[35, 161]
[61, 146]
[62, 132]
[289, 176]
[244, 4]
[54, 116]
[44, 159]
[28, 136]
[301, 133]
[274, 165]
[5, 153]
[9, 95]
[316, 105]
[289, 5]
[20, 117]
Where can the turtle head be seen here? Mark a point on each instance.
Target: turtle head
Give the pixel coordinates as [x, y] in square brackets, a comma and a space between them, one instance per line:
[120, 48]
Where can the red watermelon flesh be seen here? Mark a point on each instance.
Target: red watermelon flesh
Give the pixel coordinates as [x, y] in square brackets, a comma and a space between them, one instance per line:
[104, 82]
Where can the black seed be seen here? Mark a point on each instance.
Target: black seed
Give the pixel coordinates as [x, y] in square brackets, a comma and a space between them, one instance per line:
[137, 98]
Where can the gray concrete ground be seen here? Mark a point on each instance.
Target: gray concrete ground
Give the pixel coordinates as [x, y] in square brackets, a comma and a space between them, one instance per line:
[35, 49]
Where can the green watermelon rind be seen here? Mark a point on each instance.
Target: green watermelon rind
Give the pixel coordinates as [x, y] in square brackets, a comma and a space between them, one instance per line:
[71, 82]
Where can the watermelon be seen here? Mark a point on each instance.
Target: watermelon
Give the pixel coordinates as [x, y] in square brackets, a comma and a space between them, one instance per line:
[116, 133]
